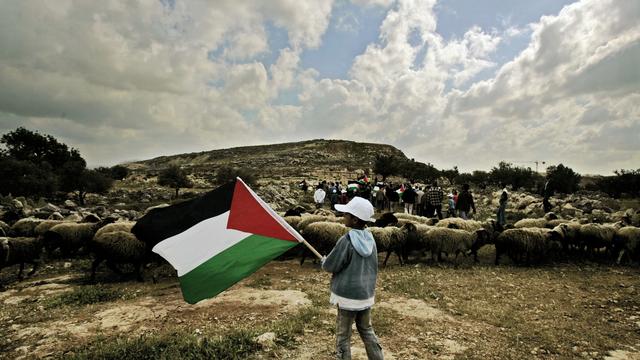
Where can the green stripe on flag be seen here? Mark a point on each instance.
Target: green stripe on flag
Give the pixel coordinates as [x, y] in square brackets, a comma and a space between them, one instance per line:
[230, 266]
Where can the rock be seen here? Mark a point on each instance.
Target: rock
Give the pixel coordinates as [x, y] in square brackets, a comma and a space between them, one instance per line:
[16, 204]
[266, 340]
[70, 204]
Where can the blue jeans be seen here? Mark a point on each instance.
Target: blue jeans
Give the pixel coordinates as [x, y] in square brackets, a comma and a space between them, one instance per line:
[363, 324]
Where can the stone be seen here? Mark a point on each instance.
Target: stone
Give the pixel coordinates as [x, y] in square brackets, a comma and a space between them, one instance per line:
[266, 340]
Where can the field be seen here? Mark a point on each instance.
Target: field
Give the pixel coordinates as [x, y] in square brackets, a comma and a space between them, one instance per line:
[455, 310]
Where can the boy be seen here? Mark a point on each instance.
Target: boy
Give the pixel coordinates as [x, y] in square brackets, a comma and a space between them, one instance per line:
[354, 264]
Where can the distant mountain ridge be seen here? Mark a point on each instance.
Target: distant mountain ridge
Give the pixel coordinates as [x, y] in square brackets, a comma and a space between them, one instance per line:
[319, 158]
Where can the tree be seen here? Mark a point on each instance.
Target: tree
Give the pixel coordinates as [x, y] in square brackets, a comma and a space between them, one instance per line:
[450, 174]
[386, 165]
[76, 178]
[227, 174]
[175, 178]
[516, 176]
[624, 181]
[562, 179]
[25, 145]
[19, 177]
[117, 172]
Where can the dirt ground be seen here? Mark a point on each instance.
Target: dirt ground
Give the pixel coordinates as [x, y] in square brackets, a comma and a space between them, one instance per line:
[455, 310]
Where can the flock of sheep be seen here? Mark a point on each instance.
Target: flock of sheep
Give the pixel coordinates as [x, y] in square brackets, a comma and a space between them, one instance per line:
[526, 241]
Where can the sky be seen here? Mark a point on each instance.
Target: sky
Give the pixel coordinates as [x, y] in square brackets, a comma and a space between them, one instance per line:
[465, 83]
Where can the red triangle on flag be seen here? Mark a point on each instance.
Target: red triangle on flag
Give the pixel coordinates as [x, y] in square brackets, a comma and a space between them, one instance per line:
[248, 215]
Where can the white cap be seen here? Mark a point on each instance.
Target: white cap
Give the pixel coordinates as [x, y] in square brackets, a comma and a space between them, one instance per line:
[358, 207]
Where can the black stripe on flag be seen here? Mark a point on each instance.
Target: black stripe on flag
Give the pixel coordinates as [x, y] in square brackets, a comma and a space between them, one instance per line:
[163, 223]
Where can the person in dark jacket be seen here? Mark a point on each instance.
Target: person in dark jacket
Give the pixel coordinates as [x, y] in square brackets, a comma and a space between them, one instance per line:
[354, 265]
[465, 202]
[409, 198]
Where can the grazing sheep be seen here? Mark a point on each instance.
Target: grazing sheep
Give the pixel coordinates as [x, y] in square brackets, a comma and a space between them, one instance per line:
[294, 221]
[117, 247]
[569, 231]
[491, 225]
[25, 227]
[597, 236]
[385, 220]
[455, 241]
[542, 222]
[116, 226]
[527, 244]
[627, 241]
[70, 237]
[417, 240]
[416, 218]
[307, 220]
[20, 250]
[45, 226]
[322, 235]
[323, 212]
[391, 239]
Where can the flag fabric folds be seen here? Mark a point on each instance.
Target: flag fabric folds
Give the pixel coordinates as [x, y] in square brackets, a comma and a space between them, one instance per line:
[219, 239]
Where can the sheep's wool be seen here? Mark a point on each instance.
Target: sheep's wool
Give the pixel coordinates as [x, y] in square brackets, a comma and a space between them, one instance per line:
[230, 234]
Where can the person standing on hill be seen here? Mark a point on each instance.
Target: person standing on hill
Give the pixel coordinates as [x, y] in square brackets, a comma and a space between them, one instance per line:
[504, 196]
[318, 196]
[353, 263]
[465, 202]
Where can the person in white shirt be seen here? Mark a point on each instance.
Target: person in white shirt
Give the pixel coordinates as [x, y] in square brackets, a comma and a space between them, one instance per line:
[318, 197]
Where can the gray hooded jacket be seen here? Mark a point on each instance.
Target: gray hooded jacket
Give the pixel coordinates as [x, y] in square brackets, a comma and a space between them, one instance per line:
[354, 264]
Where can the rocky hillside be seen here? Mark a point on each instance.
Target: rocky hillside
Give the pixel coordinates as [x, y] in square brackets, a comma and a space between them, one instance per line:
[313, 159]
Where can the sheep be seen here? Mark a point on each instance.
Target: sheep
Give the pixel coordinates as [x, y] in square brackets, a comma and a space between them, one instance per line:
[20, 250]
[416, 239]
[386, 219]
[117, 246]
[24, 227]
[116, 226]
[528, 243]
[491, 225]
[307, 220]
[391, 239]
[627, 241]
[416, 218]
[323, 212]
[597, 236]
[569, 231]
[70, 237]
[322, 235]
[542, 222]
[455, 241]
[294, 221]
[45, 226]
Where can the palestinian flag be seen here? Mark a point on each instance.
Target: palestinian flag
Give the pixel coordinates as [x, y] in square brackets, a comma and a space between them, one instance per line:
[221, 238]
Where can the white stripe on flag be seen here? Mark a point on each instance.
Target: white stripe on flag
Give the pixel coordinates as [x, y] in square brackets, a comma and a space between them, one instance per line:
[199, 243]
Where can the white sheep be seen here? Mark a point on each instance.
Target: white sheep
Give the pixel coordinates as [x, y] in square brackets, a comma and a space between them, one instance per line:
[25, 227]
[455, 241]
[70, 237]
[527, 244]
[117, 247]
[627, 241]
[416, 218]
[597, 236]
[307, 220]
[20, 250]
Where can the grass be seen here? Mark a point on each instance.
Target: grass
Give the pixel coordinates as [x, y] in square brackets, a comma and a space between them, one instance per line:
[177, 345]
[85, 295]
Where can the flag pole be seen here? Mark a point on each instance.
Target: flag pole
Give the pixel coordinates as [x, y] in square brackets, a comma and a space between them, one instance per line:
[313, 250]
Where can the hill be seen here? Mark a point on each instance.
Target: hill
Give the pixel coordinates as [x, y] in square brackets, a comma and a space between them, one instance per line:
[312, 159]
